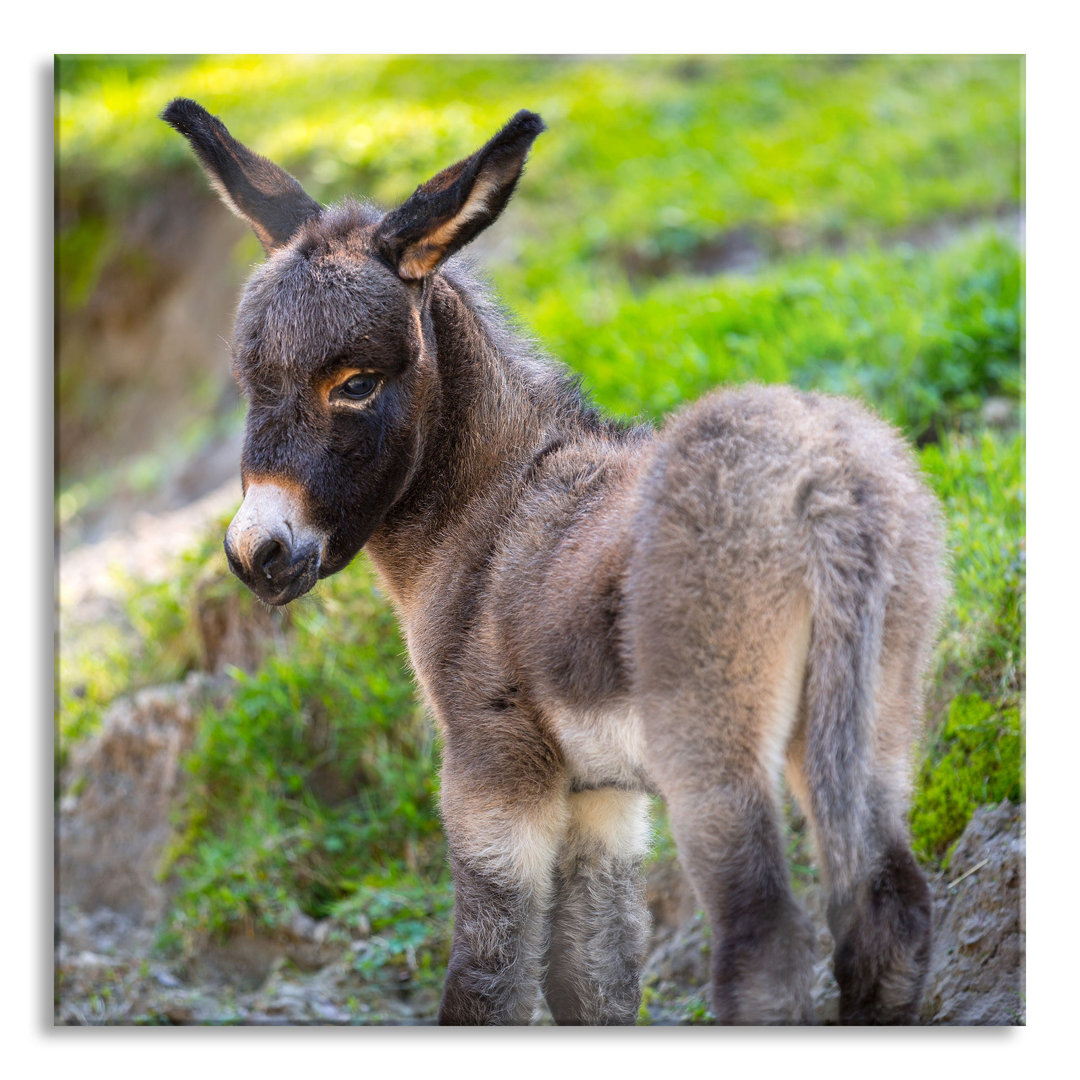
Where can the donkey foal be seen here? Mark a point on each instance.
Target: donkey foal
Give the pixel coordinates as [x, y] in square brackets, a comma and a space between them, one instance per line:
[594, 611]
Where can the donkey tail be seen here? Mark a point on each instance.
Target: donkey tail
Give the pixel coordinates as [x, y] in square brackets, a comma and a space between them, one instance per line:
[849, 583]
[854, 770]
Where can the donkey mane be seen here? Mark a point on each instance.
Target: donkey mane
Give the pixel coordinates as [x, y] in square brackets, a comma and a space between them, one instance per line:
[507, 406]
[497, 379]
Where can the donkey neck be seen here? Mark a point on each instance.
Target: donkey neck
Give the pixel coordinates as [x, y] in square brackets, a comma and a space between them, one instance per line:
[499, 405]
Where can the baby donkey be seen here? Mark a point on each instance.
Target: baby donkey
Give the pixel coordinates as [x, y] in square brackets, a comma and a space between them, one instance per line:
[595, 611]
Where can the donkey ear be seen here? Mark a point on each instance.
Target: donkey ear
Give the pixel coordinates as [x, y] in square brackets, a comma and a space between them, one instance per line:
[444, 214]
[260, 192]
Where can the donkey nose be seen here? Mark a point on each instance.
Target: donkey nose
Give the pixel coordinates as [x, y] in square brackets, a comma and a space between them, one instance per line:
[268, 546]
[270, 566]
[262, 560]
[271, 557]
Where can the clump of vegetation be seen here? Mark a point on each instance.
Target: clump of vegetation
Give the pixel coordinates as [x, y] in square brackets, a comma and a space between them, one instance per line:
[975, 759]
[316, 784]
[409, 916]
[975, 755]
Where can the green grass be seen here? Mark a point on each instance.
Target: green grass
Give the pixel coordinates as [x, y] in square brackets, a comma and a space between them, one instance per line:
[976, 758]
[980, 480]
[777, 138]
[975, 754]
[922, 336]
[317, 782]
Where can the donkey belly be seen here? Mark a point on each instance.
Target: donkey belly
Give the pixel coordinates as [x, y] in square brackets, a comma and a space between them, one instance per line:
[602, 747]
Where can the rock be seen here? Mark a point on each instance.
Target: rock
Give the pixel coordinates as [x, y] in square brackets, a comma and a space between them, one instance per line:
[682, 958]
[114, 821]
[669, 895]
[999, 412]
[233, 629]
[978, 961]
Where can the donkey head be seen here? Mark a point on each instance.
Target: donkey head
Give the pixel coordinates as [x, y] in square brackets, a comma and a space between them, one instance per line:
[333, 346]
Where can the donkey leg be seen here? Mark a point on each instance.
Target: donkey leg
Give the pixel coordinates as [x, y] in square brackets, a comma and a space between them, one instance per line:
[880, 908]
[716, 744]
[504, 841]
[883, 935]
[762, 941]
[599, 919]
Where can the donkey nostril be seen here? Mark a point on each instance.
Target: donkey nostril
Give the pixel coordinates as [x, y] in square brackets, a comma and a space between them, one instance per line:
[269, 558]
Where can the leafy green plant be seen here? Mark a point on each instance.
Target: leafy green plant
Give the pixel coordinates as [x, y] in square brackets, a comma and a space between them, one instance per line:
[318, 777]
[410, 922]
[980, 480]
[977, 758]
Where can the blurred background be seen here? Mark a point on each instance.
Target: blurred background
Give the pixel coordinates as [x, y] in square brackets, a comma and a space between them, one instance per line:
[246, 799]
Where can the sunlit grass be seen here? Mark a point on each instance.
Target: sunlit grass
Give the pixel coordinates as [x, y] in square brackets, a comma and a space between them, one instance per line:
[921, 336]
[825, 142]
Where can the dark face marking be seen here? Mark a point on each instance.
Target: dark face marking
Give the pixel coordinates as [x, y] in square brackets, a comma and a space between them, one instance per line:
[328, 349]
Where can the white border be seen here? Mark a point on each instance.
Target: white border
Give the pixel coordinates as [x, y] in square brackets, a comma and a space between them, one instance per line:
[557, 27]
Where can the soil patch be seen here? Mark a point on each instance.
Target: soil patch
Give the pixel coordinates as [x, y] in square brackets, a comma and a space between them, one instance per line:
[749, 249]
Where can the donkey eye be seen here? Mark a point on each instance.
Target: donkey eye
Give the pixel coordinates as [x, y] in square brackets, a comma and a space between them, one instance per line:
[358, 387]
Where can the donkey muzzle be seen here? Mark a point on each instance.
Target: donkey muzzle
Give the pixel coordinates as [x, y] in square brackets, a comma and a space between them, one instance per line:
[268, 547]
